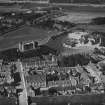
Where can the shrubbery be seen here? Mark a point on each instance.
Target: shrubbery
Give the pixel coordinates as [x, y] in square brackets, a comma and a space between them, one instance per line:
[74, 60]
[98, 21]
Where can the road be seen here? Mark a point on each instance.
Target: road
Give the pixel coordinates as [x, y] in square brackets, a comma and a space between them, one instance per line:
[23, 94]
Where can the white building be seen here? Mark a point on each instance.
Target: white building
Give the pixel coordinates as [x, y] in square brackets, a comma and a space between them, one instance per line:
[77, 35]
[79, 40]
[27, 45]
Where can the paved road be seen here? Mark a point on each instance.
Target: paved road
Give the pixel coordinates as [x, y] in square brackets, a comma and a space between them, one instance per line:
[23, 94]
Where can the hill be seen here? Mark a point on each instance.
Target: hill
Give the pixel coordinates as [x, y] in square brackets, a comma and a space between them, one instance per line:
[12, 39]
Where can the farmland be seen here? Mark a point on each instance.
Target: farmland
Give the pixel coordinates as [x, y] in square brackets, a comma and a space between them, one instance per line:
[12, 39]
[81, 17]
[75, 14]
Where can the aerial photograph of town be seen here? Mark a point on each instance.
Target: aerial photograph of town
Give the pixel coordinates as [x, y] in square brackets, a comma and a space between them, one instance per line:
[52, 52]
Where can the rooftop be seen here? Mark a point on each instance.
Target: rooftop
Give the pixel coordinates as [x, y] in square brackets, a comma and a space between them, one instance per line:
[77, 34]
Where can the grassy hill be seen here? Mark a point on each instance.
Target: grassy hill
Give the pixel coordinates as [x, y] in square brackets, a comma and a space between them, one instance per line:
[25, 33]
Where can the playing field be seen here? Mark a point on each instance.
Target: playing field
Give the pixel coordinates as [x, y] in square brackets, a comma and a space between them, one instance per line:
[25, 33]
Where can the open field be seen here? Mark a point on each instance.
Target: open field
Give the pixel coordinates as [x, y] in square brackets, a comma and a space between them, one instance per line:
[69, 7]
[81, 7]
[7, 101]
[81, 17]
[25, 33]
[98, 28]
[89, 99]
[14, 9]
[76, 14]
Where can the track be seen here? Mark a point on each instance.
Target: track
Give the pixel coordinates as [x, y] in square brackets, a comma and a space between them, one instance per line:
[49, 16]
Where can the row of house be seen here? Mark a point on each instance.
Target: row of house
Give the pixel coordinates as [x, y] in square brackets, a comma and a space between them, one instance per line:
[85, 75]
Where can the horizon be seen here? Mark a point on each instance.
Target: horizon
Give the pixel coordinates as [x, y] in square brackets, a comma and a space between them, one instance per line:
[57, 1]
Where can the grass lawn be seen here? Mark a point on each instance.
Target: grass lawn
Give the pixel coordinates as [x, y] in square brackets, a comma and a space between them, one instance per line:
[7, 101]
[98, 28]
[25, 33]
[81, 17]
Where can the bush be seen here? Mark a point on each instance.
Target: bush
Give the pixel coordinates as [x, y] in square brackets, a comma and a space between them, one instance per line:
[98, 21]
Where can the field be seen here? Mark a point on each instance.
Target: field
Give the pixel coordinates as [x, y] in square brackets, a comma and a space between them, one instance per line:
[7, 101]
[81, 17]
[89, 99]
[82, 7]
[76, 14]
[69, 7]
[98, 28]
[12, 39]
